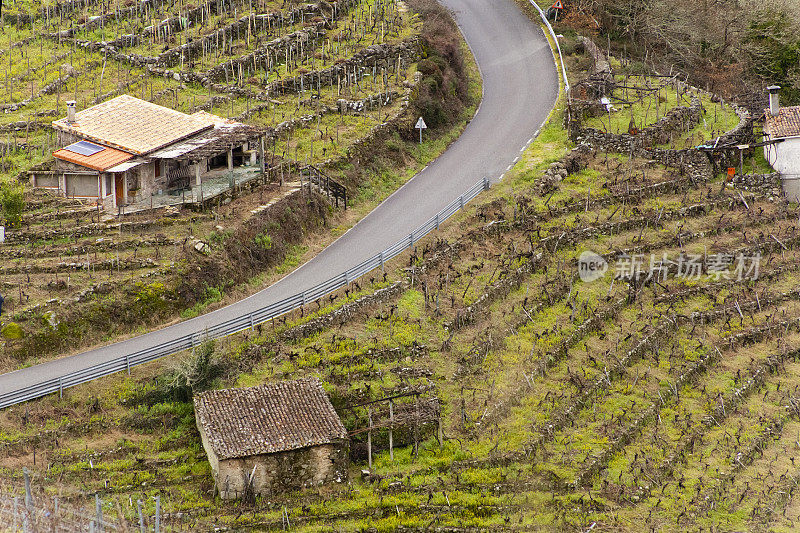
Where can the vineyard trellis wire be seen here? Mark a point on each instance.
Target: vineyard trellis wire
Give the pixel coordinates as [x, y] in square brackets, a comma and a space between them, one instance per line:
[244, 322]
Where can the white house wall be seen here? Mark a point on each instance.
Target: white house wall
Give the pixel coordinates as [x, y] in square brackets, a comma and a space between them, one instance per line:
[784, 157]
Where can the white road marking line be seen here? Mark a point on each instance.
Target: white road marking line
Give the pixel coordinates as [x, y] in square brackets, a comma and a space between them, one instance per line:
[516, 159]
[534, 135]
[537, 132]
[509, 168]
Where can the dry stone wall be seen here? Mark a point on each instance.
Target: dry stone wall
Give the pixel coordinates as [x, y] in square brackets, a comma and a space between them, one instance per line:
[767, 184]
[280, 472]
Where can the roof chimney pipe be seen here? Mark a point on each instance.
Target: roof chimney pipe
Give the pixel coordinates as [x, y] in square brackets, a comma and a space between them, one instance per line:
[71, 111]
[774, 100]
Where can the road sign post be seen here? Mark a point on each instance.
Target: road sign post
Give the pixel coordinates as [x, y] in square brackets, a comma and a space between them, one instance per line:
[421, 126]
[555, 7]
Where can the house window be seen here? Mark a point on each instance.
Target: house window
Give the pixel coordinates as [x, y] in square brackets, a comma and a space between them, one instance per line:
[109, 185]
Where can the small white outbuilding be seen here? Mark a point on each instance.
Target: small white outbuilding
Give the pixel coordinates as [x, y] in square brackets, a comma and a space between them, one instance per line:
[782, 138]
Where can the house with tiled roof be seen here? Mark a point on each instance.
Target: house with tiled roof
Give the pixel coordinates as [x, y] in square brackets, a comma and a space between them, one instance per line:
[126, 148]
[782, 142]
[272, 438]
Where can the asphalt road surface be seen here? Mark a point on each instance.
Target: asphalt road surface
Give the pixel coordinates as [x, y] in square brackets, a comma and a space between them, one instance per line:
[520, 85]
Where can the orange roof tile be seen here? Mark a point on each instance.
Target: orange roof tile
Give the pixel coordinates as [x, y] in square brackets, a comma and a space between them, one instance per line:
[133, 125]
[785, 124]
[106, 158]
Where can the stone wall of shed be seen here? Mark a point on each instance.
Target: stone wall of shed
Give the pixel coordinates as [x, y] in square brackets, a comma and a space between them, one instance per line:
[284, 471]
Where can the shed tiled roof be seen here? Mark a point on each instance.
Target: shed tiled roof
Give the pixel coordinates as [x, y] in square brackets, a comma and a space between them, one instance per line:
[786, 124]
[133, 125]
[102, 160]
[267, 419]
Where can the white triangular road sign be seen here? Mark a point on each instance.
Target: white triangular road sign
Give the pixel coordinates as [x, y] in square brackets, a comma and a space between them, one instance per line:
[421, 124]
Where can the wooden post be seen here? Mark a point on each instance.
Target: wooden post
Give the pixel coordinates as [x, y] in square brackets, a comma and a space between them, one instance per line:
[369, 436]
[98, 505]
[416, 427]
[391, 427]
[261, 159]
[741, 161]
[141, 516]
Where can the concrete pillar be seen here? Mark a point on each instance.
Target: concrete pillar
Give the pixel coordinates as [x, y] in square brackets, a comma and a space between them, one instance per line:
[197, 173]
[125, 187]
[230, 160]
[113, 190]
[62, 184]
[252, 157]
[101, 190]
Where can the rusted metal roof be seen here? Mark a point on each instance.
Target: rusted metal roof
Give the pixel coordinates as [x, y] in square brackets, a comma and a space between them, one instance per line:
[134, 125]
[267, 419]
[223, 136]
[102, 160]
[785, 124]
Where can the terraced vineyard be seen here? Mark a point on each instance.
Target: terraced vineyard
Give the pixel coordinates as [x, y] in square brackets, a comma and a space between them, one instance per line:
[287, 65]
[617, 404]
[332, 82]
[657, 398]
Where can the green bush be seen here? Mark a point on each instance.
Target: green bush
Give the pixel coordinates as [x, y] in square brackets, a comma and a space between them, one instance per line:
[12, 331]
[12, 202]
[195, 373]
[263, 240]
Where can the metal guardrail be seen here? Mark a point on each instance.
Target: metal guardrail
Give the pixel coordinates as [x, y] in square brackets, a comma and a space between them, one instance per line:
[245, 322]
[555, 40]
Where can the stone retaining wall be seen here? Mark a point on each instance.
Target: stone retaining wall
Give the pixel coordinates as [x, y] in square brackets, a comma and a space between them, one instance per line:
[768, 184]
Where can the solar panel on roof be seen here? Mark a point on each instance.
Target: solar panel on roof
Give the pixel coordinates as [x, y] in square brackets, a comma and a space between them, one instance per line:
[84, 148]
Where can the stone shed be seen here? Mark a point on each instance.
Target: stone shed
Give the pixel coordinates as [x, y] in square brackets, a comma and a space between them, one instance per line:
[282, 436]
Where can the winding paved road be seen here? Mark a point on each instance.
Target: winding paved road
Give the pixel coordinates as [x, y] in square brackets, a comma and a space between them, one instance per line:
[520, 86]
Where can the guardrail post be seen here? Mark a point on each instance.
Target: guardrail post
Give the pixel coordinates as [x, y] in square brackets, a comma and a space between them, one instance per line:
[60, 388]
[486, 183]
[461, 202]
[252, 322]
[304, 298]
[411, 239]
[128, 364]
[382, 262]
[437, 220]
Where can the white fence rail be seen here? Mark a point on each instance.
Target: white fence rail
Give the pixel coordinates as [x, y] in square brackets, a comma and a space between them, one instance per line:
[250, 320]
[555, 40]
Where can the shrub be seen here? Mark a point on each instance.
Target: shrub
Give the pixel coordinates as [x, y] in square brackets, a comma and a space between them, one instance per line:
[195, 373]
[12, 202]
[12, 331]
[263, 240]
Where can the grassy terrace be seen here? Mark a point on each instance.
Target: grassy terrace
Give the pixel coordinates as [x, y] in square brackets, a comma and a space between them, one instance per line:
[641, 101]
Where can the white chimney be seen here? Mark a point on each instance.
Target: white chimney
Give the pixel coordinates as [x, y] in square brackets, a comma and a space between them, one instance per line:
[774, 100]
[71, 111]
